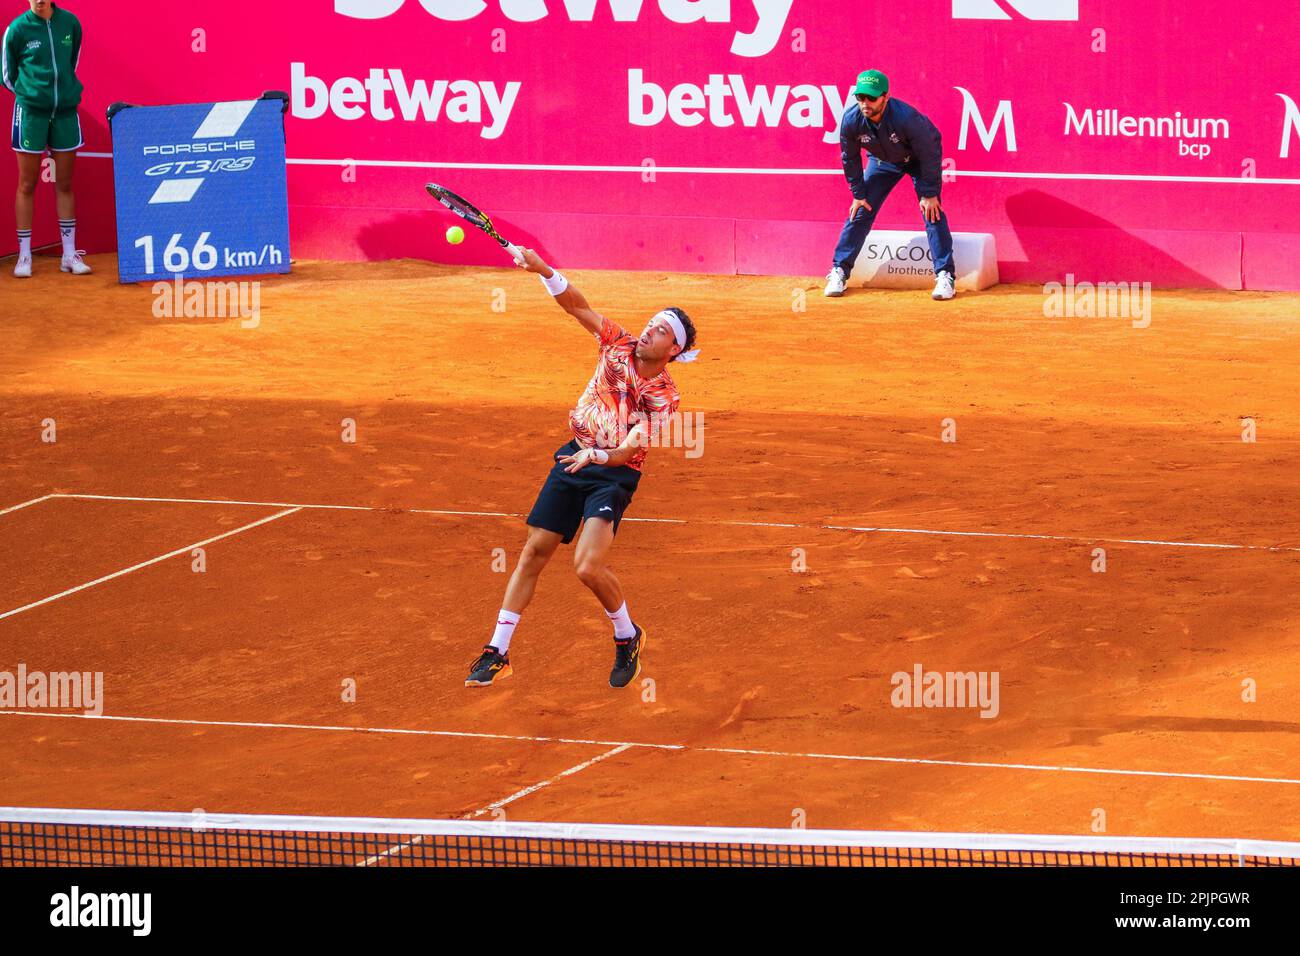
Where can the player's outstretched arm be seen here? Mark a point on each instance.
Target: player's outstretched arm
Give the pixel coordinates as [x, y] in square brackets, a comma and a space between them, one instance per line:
[637, 438]
[570, 300]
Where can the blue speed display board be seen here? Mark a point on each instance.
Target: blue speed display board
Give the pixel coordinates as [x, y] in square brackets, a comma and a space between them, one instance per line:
[201, 190]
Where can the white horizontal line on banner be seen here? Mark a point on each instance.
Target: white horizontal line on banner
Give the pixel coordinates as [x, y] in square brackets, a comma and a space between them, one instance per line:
[1126, 177]
[762, 171]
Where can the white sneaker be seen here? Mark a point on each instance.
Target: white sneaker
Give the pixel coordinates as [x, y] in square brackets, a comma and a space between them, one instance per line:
[835, 282]
[74, 264]
[943, 288]
[23, 270]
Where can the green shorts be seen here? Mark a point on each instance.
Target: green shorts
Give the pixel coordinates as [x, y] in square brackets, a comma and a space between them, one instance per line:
[37, 132]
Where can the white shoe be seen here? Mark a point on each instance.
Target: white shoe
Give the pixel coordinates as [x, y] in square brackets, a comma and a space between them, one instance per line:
[23, 270]
[943, 287]
[74, 264]
[835, 282]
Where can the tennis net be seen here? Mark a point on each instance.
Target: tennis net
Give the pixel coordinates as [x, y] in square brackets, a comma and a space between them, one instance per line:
[49, 837]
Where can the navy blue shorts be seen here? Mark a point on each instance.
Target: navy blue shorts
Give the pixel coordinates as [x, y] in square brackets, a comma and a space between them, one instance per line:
[597, 491]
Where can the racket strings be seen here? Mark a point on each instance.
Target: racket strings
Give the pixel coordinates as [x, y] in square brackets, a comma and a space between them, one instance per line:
[468, 213]
[459, 206]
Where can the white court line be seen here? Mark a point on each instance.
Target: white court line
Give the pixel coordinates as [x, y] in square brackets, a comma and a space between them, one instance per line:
[369, 861]
[479, 735]
[1055, 768]
[26, 504]
[217, 501]
[705, 521]
[145, 564]
[684, 748]
[1058, 537]
[285, 504]
[546, 783]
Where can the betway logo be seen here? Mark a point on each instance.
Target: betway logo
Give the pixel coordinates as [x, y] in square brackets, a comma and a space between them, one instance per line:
[687, 104]
[760, 41]
[1015, 9]
[349, 98]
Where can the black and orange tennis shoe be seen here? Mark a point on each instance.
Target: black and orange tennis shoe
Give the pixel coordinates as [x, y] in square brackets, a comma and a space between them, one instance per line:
[627, 659]
[490, 667]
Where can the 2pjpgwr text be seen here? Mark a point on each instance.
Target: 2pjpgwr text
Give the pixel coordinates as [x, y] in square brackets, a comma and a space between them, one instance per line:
[1199, 898]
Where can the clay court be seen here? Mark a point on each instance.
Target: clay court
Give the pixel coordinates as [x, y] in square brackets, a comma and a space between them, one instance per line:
[372, 561]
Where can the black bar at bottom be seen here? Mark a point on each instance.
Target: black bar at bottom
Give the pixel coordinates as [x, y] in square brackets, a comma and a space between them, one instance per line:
[970, 905]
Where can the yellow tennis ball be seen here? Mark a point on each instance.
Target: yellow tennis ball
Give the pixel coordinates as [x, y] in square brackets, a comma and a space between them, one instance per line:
[455, 235]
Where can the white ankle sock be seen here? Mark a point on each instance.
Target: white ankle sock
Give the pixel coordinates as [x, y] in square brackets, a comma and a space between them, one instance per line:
[68, 232]
[624, 629]
[506, 621]
[24, 243]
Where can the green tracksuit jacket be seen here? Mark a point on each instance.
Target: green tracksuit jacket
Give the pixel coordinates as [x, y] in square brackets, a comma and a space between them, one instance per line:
[38, 62]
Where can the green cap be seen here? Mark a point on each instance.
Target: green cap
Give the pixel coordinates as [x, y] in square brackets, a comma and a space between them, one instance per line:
[873, 83]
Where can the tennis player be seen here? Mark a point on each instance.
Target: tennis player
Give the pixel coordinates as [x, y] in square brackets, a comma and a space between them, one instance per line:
[595, 475]
[902, 142]
[38, 64]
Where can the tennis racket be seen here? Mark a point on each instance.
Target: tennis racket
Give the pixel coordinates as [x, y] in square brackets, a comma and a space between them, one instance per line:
[474, 216]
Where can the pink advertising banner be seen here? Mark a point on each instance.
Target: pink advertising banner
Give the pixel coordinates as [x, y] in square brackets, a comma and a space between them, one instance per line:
[1155, 141]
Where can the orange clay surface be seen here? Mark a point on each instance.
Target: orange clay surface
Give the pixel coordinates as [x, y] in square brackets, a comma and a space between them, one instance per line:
[769, 687]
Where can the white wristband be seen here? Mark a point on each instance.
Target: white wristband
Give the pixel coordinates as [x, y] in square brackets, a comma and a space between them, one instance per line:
[556, 284]
[599, 456]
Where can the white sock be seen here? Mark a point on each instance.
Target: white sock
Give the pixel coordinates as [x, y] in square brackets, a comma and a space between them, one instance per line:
[624, 629]
[506, 621]
[24, 243]
[68, 230]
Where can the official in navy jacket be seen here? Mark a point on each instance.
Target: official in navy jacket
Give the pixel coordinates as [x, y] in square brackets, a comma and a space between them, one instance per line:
[901, 142]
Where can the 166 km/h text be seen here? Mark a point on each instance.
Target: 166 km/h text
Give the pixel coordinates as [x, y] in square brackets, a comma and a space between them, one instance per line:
[204, 257]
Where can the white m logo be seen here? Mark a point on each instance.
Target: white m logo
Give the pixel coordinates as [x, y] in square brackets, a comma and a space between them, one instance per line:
[970, 111]
[1015, 9]
[1289, 125]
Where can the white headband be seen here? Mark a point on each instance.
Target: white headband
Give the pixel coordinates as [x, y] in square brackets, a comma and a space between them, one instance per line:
[679, 332]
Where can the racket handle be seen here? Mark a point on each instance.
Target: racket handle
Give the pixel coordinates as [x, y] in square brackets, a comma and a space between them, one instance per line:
[514, 251]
